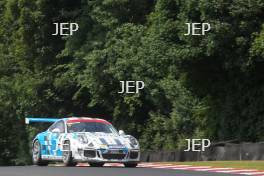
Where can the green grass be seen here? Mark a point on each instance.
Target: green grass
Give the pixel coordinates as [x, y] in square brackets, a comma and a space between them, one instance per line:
[233, 164]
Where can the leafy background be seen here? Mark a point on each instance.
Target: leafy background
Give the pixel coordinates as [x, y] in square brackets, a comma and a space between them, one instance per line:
[195, 86]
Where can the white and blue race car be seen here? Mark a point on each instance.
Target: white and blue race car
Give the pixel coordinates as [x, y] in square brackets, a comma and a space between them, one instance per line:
[92, 140]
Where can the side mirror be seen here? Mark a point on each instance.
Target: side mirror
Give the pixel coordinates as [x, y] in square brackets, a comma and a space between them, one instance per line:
[121, 132]
[56, 130]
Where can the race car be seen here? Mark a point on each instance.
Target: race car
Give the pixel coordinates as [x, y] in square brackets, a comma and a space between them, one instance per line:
[73, 140]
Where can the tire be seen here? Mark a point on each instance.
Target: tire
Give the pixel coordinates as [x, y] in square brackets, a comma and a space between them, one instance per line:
[96, 164]
[130, 164]
[36, 154]
[67, 158]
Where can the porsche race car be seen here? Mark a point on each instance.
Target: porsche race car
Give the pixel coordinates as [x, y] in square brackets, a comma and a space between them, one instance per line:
[92, 140]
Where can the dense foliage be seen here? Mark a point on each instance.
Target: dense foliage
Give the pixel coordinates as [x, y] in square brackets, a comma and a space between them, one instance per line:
[195, 86]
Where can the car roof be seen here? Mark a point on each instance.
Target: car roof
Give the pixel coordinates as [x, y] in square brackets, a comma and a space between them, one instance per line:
[85, 119]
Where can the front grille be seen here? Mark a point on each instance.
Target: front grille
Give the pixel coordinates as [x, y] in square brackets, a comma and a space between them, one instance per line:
[113, 156]
[89, 153]
[133, 155]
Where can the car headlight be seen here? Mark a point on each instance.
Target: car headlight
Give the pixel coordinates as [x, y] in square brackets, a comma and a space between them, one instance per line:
[133, 140]
[82, 139]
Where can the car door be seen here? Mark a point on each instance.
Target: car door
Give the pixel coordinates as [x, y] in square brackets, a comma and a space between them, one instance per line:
[55, 133]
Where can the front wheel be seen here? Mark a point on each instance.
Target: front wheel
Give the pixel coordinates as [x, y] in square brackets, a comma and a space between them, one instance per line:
[96, 164]
[67, 155]
[130, 164]
[36, 155]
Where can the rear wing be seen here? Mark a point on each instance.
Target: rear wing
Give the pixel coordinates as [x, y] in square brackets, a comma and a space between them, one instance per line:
[49, 120]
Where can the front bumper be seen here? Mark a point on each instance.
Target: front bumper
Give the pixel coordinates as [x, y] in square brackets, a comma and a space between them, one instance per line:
[121, 155]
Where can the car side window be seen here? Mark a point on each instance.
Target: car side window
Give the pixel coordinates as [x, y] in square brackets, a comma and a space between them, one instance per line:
[52, 127]
[59, 125]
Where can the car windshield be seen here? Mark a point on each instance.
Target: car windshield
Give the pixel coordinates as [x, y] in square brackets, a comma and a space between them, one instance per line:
[90, 127]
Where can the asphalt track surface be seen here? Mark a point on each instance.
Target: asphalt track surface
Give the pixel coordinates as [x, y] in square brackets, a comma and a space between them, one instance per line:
[102, 171]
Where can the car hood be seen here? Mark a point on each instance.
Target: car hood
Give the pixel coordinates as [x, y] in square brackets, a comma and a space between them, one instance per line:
[107, 140]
